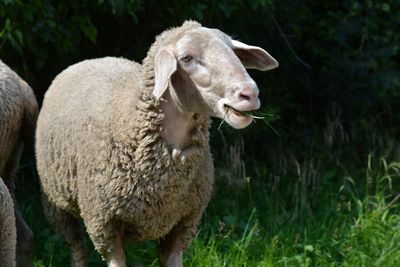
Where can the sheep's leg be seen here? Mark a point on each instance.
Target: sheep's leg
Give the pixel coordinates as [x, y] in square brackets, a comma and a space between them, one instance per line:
[8, 232]
[170, 250]
[72, 232]
[69, 227]
[116, 257]
[24, 241]
[24, 233]
[106, 239]
[172, 246]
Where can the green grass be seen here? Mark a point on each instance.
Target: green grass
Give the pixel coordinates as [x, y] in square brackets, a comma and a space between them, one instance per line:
[346, 224]
[363, 229]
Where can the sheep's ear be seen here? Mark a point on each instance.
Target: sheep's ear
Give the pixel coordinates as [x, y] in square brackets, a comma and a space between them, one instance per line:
[254, 57]
[165, 65]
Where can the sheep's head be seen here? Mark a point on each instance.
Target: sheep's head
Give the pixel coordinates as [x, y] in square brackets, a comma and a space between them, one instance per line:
[205, 71]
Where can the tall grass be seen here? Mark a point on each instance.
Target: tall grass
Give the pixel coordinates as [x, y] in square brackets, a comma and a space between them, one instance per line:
[364, 229]
[247, 224]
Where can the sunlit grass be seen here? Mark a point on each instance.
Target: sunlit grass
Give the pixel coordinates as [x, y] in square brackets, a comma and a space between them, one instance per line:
[355, 225]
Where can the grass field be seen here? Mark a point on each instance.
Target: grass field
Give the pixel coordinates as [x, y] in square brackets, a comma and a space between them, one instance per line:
[251, 223]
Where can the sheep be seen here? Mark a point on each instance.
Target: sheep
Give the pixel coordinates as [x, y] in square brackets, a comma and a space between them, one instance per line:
[125, 146]
[8, 231]
[18, 113]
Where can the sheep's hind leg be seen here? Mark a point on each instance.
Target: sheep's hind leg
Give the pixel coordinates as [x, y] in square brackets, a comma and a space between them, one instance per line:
[69, 227]
[24, 233]
[24, 241]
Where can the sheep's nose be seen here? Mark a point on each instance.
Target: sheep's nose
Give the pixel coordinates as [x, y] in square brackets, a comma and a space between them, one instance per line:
[248, 93]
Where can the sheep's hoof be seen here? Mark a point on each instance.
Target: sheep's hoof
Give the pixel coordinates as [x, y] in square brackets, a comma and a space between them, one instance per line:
[176, 153]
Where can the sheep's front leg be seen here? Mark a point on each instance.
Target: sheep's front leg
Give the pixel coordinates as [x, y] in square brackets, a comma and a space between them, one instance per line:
[116, 257]
[170, 251]
[107, 240]
[172, 246]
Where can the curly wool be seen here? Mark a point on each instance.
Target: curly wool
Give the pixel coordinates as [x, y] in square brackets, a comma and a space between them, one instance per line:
[8, 231]
[101, 156]
[18, 112]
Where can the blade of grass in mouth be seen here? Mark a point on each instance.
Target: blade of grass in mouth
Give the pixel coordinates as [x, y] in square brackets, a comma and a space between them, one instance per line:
[241, 113]
[226, 113]
[259, 116]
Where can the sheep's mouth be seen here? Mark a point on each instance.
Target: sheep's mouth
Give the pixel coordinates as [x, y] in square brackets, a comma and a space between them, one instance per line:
[237, 118]
[239, 113]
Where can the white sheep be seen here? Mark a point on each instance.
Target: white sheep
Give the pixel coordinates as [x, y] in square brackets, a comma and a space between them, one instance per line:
[18, 113]
[8, 230]
[125, 146]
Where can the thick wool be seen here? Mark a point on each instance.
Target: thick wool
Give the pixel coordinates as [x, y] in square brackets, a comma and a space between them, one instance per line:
[101, 156]
[8, 231]
[18, 113]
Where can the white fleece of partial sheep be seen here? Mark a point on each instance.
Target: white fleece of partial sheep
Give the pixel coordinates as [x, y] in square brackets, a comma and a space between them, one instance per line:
[8, 231]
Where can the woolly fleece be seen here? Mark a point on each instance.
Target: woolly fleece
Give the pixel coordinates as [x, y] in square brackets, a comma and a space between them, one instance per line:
[101, 157]
[18, 113]
[8, 231]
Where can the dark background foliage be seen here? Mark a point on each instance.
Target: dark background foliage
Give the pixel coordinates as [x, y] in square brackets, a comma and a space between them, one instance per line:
[337, 59]
[335, 97]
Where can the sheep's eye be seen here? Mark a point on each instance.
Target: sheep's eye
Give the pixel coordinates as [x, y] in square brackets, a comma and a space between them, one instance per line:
[187, 58]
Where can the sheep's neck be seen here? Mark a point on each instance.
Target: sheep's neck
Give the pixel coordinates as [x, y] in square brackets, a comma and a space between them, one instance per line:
[177, 124]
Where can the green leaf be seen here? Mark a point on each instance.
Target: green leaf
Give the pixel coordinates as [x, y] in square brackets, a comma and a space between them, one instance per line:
[309, 248]
[88, 29]
[18, 33]
[386, 7]
[14, 43]
[8, 25]
[51, 23]
[2, 32]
